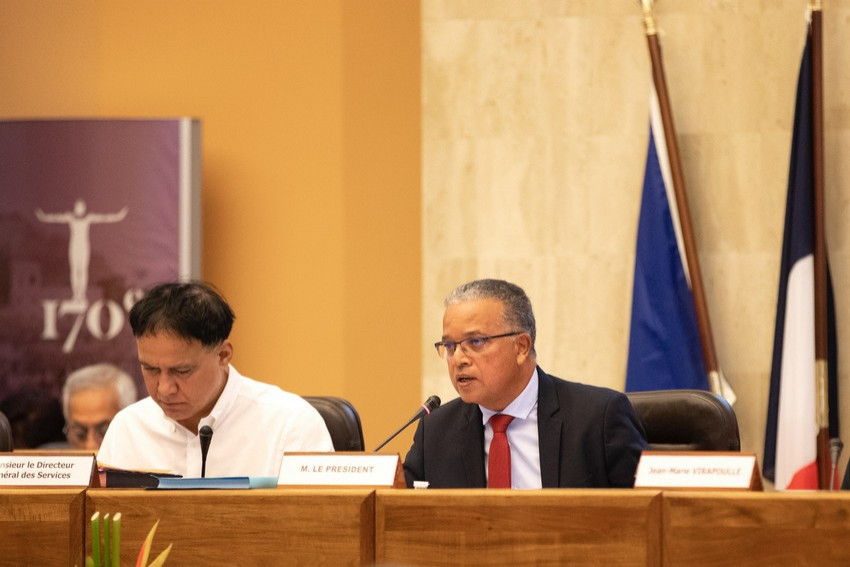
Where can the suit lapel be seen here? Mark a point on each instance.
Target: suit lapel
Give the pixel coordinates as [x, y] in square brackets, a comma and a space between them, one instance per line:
[472, 435]
[549, 426]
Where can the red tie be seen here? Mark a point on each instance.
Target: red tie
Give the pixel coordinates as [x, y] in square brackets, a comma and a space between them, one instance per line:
[499, 464]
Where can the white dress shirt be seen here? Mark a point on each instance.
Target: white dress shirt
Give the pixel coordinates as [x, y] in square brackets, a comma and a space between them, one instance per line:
[253, 424]
[522, 437]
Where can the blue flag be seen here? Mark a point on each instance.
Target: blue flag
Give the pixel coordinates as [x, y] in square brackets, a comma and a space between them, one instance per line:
[664, 344]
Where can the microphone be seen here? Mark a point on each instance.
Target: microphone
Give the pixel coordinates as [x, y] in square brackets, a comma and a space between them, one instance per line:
[206, 436]
[430, 404]
[835, 447]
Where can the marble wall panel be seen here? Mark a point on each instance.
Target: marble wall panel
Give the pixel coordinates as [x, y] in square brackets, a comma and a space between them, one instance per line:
[535, 127]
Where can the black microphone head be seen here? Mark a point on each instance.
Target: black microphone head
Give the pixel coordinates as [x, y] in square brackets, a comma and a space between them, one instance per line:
[432, 403]
[205, 436]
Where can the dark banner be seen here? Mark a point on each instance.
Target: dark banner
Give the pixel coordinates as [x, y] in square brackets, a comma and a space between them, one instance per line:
[92, 212]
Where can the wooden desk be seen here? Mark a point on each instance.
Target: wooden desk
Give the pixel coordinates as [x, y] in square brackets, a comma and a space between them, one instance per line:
[737, 528]
[244, 527]
[557, 527]
[434, 527]
[41, 526]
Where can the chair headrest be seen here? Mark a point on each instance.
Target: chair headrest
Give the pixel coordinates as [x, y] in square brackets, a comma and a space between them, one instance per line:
[342, 420]
[5, 434]
[686, 420]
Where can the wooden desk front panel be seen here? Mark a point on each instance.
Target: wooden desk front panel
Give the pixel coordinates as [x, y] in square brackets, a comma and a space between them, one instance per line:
[244, 527]
[557, 527]
[739, 528]
[41, 526]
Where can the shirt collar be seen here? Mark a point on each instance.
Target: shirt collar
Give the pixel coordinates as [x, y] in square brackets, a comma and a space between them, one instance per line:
[225, 400]
[522, 406]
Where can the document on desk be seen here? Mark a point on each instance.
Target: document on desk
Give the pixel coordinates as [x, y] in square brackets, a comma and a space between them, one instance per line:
[111, 477]
[216, 483]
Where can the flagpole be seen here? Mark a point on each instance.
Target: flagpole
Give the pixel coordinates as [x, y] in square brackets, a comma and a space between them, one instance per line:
[821, 347]
[700, 305]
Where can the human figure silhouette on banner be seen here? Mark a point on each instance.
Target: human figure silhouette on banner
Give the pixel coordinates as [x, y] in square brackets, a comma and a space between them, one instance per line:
[79, 243]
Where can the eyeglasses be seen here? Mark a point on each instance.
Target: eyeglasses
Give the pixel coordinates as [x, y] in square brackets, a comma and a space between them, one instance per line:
[78, 433]
[473, 344]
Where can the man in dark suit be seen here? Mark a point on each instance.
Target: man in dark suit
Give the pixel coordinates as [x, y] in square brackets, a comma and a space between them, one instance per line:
[559, 433]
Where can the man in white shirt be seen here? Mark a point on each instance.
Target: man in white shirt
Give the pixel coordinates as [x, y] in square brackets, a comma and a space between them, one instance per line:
[182, 336]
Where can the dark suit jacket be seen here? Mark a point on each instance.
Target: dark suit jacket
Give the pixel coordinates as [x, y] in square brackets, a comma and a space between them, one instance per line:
[589, 437]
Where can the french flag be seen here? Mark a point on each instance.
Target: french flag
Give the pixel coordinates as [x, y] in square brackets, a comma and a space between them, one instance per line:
[790, 452]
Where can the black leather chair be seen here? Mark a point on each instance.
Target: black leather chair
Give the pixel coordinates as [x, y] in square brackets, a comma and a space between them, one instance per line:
[5, 434]
[686, 420]
[342, 420]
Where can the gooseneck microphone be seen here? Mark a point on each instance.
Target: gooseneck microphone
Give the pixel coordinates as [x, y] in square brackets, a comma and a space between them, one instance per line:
[430, 405]
[206, 436]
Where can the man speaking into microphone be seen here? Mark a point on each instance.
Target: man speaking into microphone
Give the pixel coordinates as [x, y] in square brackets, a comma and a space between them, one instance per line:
[514, 426]
[182, 335]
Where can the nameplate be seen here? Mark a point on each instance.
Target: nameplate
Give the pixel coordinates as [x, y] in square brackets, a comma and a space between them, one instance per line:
[340, 469]
[46, 470]
[698, 470]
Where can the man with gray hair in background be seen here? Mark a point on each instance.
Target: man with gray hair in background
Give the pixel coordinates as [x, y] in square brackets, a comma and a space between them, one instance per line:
[91, 397]
[514, 426]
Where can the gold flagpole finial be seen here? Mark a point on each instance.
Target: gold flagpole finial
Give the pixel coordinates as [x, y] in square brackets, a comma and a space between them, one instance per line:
[648, 20]
[816, 5]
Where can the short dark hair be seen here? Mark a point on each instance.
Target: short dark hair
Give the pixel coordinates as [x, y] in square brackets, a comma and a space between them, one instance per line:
[518, 312]
[191, 310]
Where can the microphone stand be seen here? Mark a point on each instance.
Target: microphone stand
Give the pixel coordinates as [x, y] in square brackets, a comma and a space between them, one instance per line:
[391, 437]
[432, 403]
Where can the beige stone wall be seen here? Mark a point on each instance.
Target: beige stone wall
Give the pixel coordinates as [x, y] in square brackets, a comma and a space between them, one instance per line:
[535, 124]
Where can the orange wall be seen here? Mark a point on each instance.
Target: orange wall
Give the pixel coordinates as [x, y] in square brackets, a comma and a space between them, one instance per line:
[311, 177]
